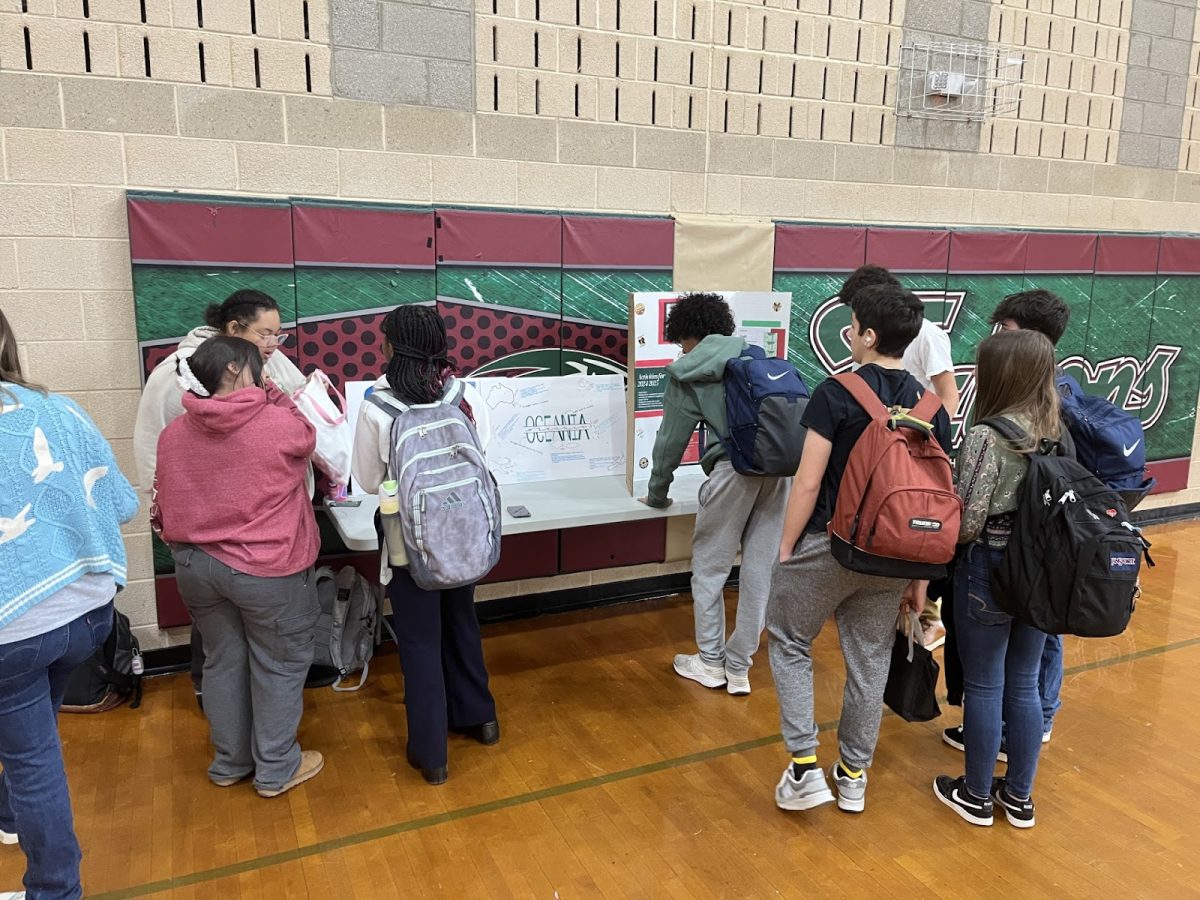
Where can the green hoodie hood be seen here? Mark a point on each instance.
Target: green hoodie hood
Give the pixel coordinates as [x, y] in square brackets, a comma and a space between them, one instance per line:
[707, 360]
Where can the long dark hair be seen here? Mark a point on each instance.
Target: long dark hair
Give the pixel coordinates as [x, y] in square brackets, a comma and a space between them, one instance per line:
[242, 306]
[212, 358]
[10, 362]
[420, 361]
[1014, 374]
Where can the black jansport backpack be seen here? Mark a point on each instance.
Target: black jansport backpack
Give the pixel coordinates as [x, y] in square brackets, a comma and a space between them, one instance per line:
[1073, 559]
[112, 676]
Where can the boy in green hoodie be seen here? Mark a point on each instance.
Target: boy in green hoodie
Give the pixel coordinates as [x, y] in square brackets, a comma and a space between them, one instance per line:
[736, 511]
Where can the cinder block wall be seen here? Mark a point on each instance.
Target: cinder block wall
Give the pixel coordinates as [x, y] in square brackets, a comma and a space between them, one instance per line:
[725, 107]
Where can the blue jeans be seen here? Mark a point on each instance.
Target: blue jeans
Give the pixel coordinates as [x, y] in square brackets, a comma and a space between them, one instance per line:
[34, 802]
[1001, 659]
[1051, 678]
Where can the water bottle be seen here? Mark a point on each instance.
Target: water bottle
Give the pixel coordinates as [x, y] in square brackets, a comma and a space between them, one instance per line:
[389, 516]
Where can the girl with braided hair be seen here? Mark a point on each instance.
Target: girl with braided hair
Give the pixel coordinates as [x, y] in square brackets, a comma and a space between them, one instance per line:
[437, 632]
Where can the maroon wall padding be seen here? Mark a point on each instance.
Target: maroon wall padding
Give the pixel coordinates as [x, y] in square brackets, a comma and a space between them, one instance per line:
[1179, 256]
[258, 234]
[530, 555]
[604, 242]
[490, 238]
[347, 349]
[1049, 252]
[610, 546]
[1172, 474]
[987, 252]
[362, 236]
[1127, 254]
[171, 611]
[819, 248]
[910, 250]
[609, 341]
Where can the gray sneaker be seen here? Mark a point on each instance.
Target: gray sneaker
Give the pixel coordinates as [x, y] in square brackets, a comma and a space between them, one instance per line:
[693, 667]
[851, 792]
[811, 790]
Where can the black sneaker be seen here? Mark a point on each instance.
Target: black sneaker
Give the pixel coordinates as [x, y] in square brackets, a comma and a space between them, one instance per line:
[954, 737]
[953, 792]
[1018, 812]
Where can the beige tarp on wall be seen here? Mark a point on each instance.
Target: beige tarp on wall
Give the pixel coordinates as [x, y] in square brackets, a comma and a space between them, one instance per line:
[723, 254]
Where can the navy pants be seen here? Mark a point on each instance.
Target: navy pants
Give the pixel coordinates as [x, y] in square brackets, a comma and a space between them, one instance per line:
[441, 655]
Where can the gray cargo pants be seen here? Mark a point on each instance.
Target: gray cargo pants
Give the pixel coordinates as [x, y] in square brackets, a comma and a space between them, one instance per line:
[736, 511]
[259, 637]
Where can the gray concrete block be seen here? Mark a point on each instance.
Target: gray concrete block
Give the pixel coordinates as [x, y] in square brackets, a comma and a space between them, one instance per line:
[451, 84]
[355, 23]
[935, 16]
[664, 148]
[910, 132]
[1177, 86]
[1132, 112]
[1145, 84]
[1185, 23]
[1168, 155]
[323, 122]
[1139, 50]
[736, 154]
[595, 144]
[815, 160]
[463, 5]
[379, 77]
[30, 101]
[1133, 150]
[421, 129]
[1187, 187]
[133, 107]
[948, 135]
[427, 31]
[1152, 17]
[1161, 119]
[516, 137]
[1169, 55]
[976, 16]
[207, 112]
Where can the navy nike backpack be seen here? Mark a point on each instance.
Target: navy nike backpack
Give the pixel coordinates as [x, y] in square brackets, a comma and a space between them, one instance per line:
[1109, 442]
[764, 402]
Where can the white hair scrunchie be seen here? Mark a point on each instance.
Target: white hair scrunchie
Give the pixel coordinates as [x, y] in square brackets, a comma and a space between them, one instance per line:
[188, 379]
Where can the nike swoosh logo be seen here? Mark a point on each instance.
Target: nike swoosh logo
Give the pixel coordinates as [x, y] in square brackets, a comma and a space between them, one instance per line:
[784, 375]
[1129, 450]
[957, 798]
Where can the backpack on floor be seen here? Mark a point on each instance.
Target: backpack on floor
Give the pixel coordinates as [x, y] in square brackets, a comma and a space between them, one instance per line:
[1073, 558]
[764, 402]
[349, 625]
[449, 501]
[112, 676]
[1109, 442]
[897, 513]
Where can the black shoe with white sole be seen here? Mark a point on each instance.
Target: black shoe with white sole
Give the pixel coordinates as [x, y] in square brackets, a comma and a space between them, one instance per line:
[954, 737]
[953, 792]
[1018, 812]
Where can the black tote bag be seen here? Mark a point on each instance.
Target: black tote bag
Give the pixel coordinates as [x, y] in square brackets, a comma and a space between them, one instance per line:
[911, 691]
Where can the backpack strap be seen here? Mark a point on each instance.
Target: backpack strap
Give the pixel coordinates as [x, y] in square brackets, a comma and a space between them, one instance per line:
[453, 392]
[388, 402]
[927, 408]
[863, 395]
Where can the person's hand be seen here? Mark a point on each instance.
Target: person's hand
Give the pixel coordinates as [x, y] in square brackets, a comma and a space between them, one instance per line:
[646, 501]
[913, 598]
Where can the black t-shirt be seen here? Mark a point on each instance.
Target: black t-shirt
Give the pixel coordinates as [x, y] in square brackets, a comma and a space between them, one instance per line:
[836, 416]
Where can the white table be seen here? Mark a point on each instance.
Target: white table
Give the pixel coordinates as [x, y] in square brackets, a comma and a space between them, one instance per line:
[574, 503]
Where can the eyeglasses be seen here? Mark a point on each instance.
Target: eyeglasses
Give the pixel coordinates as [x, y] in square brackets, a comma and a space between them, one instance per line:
[268, 339]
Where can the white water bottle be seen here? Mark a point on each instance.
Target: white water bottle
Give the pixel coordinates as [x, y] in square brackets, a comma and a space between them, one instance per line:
[389, 516]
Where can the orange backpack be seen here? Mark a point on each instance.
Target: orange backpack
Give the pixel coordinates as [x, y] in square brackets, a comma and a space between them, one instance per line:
[897, 513]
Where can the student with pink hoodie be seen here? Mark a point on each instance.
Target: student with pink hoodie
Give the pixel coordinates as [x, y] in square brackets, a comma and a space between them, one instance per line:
[232, 503]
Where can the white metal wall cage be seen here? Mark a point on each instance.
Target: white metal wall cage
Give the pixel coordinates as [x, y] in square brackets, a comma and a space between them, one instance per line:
[959, 80]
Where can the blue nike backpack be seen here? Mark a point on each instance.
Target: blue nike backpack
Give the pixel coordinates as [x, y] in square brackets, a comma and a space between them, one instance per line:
[1109, 442]
[764, 402]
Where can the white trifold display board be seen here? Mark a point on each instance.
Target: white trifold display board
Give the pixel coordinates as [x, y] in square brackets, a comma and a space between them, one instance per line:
[542, 429]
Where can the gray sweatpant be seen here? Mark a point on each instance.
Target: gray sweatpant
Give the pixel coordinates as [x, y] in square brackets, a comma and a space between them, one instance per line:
[735, 511]
[806, 590]
[258, 638]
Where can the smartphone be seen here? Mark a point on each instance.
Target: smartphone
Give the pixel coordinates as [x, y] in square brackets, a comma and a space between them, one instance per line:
[519, 512]
[343, 503]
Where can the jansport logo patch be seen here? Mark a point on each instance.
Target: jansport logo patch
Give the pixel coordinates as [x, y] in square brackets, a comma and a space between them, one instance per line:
[1121, 563]
[924, 524]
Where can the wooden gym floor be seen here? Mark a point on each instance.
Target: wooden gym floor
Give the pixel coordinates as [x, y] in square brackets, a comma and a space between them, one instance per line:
[616, 778]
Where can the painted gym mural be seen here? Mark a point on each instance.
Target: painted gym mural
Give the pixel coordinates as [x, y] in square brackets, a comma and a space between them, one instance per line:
[535, 294]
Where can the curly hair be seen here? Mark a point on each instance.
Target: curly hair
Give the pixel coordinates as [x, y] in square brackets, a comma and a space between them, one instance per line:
[1036, 310]
[863, 277]
[696, 316]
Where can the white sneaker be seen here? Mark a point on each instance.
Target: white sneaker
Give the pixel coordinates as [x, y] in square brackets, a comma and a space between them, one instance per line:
[737, 684]
[811, 790]
[13, 895]
[7, 838]
[851, 792]
[693, 667]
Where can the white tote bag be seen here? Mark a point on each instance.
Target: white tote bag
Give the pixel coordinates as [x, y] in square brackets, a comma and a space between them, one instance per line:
[325, 408]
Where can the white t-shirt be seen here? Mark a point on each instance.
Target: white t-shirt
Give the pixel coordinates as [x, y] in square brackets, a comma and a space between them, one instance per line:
[929, 354]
